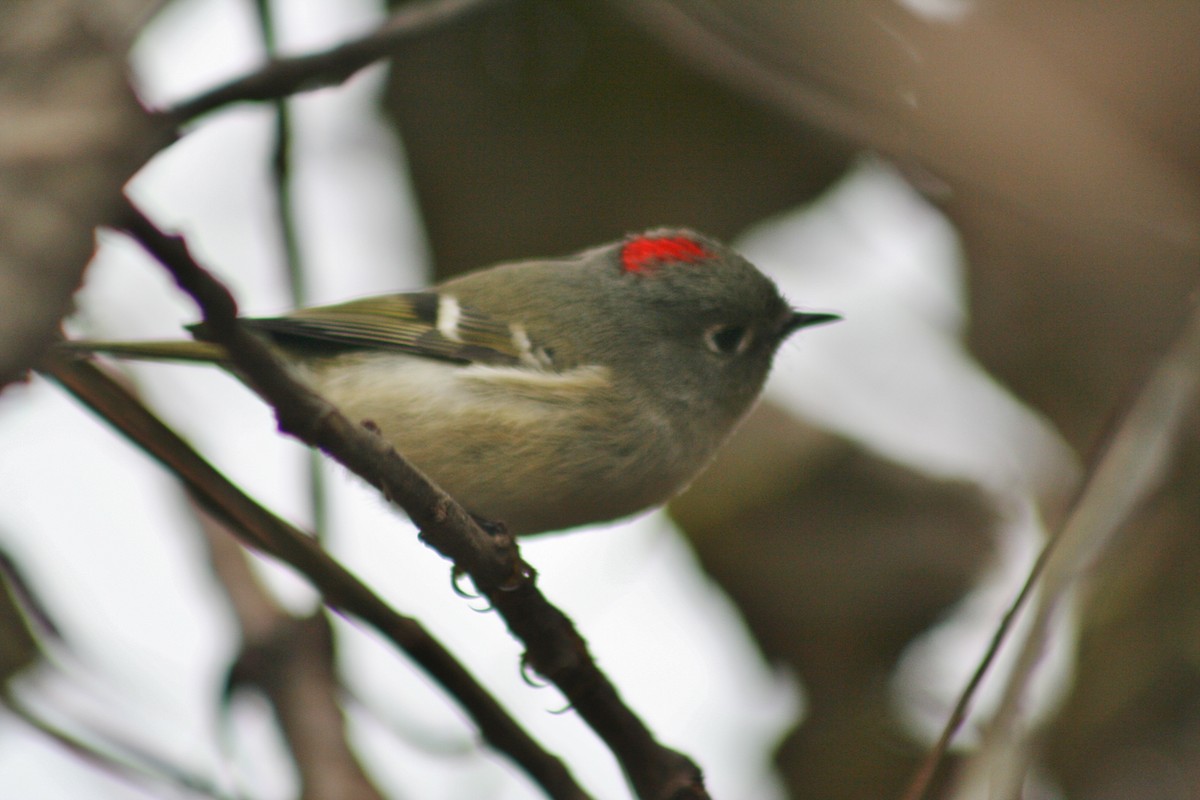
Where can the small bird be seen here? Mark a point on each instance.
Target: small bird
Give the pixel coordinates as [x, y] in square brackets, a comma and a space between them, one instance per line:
[545, 395]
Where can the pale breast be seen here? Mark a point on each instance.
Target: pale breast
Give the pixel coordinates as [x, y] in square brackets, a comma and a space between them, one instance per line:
[536, 450]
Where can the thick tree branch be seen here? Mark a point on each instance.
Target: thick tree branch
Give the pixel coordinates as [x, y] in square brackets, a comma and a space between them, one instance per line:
[554, 647]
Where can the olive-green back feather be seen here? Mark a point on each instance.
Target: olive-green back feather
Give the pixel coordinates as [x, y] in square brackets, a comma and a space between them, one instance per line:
[408, 323]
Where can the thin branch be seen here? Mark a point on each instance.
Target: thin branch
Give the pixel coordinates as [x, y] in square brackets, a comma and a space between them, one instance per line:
[259, 528]
[282, 77]
[23, 596]
[925, 773]
[286, 215]
[134, 765]
[554, 647]
[1131, 465]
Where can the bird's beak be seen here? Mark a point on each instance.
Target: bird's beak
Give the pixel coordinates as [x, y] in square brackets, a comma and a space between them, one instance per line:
[805, 319]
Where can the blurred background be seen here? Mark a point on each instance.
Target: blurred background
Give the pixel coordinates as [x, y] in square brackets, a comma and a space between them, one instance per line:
[999, 196]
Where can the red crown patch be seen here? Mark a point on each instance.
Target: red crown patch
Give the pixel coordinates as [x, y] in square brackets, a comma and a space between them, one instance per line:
[644, 252]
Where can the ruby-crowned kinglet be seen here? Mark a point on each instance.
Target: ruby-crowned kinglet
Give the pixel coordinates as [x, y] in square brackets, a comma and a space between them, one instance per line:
[547, 394]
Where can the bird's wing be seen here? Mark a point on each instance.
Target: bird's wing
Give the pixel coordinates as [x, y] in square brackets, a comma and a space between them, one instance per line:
[420, 323]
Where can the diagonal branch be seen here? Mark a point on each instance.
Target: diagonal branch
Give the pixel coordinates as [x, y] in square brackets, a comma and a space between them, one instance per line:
[130, 763]
[1131, 465]
[281, 77]
[554, 647]
[259, 528]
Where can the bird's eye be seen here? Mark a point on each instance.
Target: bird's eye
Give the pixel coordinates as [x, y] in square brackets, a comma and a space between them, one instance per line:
[727, 340]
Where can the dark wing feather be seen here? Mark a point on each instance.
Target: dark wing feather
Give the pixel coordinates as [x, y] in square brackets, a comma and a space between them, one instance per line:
[407, 323]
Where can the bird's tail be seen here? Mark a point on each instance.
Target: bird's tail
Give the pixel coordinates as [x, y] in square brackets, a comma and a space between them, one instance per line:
[180, 350]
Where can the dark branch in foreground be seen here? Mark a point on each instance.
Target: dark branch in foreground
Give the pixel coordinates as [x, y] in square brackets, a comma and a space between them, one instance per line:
[553, 646]
[259, 528]
[282, 77]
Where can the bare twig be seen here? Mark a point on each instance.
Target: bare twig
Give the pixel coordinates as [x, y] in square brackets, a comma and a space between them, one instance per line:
[924, 775]
[259, 528]
[286, 76]
[132, 764]
[289, 239]
[1130, 466]
[24, 596]
[553, 646]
